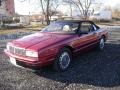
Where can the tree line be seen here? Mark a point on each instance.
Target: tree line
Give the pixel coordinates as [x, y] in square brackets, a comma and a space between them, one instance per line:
[49, 7]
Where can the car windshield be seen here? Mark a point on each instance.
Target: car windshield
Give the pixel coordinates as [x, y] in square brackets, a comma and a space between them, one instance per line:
[61, 27]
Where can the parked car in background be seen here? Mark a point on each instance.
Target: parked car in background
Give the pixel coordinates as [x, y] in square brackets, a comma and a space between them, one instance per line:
[56, 44]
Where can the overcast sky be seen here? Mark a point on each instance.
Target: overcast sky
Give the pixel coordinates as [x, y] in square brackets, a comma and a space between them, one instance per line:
[24, 7]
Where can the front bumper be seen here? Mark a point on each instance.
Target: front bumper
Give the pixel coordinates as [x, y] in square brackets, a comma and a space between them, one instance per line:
[23, 61]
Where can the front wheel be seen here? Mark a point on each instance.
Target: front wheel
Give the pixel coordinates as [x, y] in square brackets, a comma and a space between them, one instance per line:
[63, 60]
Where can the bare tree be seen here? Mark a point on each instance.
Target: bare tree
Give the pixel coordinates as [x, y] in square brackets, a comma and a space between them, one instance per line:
[83, 6]
[116, 13]
[48, 8]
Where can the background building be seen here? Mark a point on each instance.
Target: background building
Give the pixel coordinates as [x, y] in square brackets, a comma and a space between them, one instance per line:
[7, 9]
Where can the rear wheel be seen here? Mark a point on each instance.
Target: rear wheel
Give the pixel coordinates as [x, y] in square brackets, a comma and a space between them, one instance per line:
[63, 60]
[101, 44]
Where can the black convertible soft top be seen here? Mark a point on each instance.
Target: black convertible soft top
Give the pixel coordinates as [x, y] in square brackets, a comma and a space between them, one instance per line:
[76, 21]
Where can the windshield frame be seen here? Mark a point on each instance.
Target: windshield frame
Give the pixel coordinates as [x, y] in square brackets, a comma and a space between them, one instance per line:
[71, 24]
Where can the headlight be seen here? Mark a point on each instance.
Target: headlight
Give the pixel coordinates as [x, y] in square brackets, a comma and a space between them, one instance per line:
[31, 53]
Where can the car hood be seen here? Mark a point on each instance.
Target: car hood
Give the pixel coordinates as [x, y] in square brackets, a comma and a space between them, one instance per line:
[38, 40]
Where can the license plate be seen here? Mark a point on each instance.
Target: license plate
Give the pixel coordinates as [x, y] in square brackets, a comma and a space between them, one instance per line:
[13, 60]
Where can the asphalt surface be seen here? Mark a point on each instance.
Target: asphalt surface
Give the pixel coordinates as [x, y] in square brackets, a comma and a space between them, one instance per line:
[93, 70]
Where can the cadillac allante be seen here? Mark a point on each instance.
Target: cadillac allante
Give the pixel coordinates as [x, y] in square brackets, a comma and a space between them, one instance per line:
[56, 44]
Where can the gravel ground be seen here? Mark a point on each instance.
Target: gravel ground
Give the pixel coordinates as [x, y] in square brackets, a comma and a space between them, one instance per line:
[90, 71]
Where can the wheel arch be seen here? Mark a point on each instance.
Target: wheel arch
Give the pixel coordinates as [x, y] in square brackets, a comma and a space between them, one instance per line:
[103, 36]
[69, 47]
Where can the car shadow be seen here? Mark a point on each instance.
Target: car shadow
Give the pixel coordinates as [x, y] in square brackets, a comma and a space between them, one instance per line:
[92, 68]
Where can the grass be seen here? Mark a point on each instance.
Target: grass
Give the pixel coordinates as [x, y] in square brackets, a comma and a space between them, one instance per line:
[13, 31]
[26, 29]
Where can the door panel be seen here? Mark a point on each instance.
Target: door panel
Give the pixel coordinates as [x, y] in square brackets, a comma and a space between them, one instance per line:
[85, 40]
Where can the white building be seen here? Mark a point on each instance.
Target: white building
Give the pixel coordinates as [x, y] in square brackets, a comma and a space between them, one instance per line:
[102, 15]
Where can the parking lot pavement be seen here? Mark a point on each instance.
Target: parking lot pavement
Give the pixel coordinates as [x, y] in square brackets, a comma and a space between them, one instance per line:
[90, 71]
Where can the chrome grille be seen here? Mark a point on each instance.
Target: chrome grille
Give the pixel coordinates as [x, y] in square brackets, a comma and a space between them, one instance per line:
[17, 50]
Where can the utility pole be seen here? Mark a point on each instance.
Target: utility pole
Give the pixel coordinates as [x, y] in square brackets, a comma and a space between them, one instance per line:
[29, 11]
[0, 2]
[68, 2]
[71, 10]
[1, 17]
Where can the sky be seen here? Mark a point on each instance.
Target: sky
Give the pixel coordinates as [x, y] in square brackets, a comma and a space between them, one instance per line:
[112, 3]
[23, 8]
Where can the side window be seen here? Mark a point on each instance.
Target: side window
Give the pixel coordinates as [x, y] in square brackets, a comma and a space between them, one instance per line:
[86, 27]
[75, 26]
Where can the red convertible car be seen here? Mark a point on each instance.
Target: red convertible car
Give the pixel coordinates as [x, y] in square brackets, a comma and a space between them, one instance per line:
[56, 44]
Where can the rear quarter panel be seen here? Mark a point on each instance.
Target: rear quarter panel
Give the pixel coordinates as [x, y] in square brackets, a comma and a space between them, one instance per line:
[103, 32]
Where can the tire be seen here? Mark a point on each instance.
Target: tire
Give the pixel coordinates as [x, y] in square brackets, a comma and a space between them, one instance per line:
[101, 44]
[63, 60]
